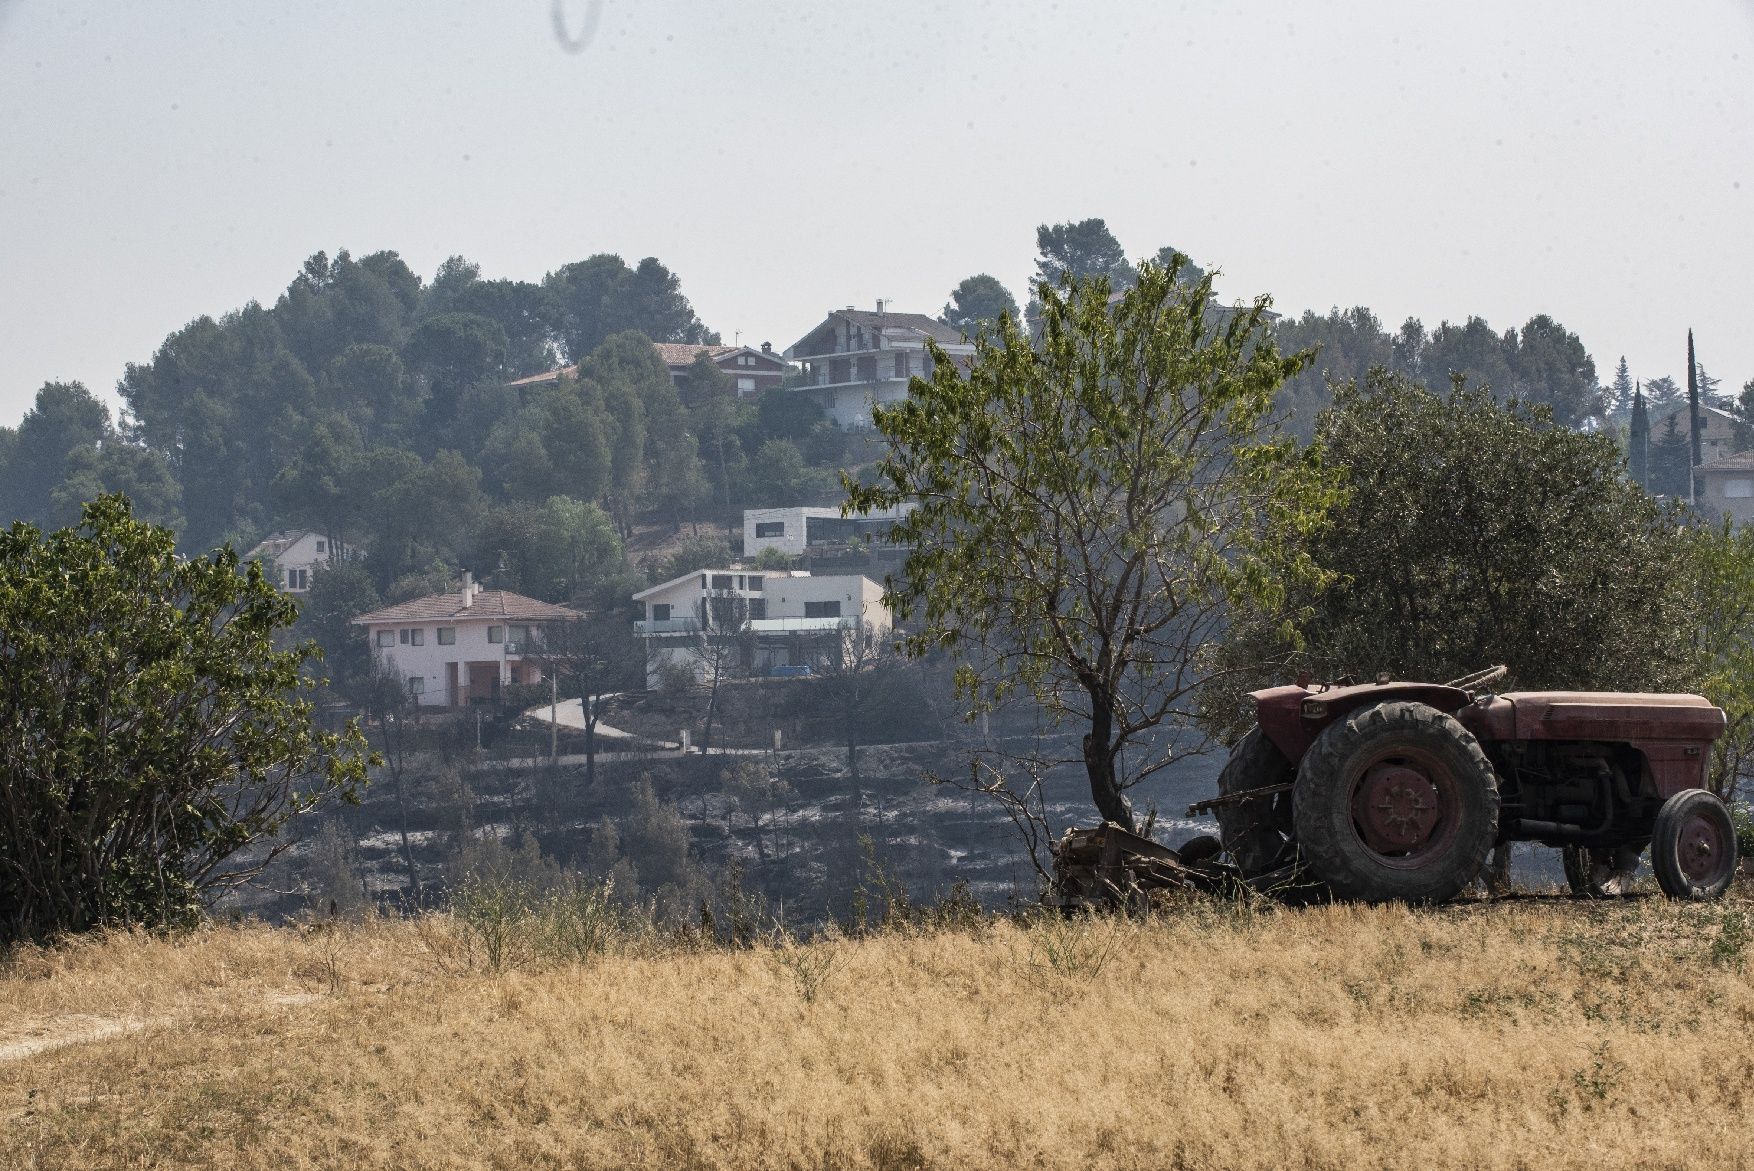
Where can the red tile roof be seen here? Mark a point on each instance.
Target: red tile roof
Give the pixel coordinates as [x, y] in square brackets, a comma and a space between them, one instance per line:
[488, 604]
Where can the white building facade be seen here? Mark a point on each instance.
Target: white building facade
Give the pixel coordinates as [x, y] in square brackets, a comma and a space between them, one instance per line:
[292, 558]
[794, 531]
[856, 360]
[463, 649]
[786, 623]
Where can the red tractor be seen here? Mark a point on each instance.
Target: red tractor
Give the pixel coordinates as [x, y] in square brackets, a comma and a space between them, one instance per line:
[1398, 791]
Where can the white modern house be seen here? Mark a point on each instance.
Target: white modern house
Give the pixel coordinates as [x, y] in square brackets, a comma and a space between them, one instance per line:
[857, 359]
[461, 649]
[292, 558]
[764, 623]
[794, 531]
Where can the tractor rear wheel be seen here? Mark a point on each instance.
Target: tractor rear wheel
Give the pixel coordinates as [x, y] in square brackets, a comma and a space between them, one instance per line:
[1257, 832]
[1396, 803]
[1693, 847]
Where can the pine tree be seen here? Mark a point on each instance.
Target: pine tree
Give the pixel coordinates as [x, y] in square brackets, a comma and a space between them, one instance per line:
[1621, 393]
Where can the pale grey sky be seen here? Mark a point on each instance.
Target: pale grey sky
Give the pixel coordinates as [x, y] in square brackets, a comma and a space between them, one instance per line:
[1591, 160]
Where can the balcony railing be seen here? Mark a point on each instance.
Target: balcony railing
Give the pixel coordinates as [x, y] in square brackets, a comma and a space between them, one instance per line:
[690, 625]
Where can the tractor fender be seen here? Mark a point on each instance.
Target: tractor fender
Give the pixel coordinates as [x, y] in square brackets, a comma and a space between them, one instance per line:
[1292, 716]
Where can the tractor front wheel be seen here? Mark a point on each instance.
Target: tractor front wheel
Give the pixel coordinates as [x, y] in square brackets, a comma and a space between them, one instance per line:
[1396, 803]
[1693, 847]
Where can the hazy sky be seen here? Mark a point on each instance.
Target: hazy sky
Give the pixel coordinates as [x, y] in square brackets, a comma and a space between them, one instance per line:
[1590, 160]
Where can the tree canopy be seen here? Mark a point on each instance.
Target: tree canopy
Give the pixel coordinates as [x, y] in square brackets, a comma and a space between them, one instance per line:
[1089, 509]
[152, 728]
[1475, 533]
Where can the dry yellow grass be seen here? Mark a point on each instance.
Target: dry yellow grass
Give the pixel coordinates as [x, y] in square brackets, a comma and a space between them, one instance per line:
[1532, 1033]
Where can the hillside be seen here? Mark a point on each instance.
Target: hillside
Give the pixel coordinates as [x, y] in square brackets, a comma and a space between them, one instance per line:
[1535, 1032]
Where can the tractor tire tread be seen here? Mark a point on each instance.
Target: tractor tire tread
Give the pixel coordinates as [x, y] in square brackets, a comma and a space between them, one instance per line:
[1335, 855]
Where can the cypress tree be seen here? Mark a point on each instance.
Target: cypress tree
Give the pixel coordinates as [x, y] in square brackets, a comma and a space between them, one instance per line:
[1693, 411]
[1639, 456]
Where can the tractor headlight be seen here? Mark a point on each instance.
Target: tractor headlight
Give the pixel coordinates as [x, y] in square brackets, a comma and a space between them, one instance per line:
[1314, 709]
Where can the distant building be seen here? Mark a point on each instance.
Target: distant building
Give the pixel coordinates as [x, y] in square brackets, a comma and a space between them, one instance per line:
[774, 622]
[751, 370]
[856, 360]
[1717, 429]
[1726, 485]
[291, 559]
[461, 649]
[797, 531]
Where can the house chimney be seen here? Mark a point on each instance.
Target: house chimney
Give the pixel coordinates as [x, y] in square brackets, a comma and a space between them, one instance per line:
[468, 589]
[767, 347]
[880, 304]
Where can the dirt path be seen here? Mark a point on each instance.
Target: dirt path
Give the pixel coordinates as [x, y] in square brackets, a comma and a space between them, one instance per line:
[43, 1036]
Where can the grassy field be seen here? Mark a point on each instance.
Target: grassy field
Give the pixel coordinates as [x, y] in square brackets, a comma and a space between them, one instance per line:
[1533, 1032]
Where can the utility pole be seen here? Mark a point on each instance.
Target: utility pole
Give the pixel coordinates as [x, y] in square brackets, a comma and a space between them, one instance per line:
[1693, 409]
[554, 717]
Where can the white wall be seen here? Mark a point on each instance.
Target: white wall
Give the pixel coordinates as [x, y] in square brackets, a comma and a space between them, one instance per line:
[428, 660]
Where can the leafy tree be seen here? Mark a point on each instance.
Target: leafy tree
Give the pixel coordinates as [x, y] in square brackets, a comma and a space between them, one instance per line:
[694, 553]
[978, 302]
[598, 297]
[1719, 595]
[339, 593]
[596, 659]
[1090, 510]
[1661, 394]
[1552, 368]
[1476, 533]
[1671, 459]
[143, 476]
[455, 351]
[1190, 273]
[578, 550]
[1081, 250]
[1347, 343]
[153, 730]
[369, 386]
[65, 418]
[1744, 411]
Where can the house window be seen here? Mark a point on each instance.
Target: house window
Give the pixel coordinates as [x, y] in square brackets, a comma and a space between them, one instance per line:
[416, 685]
[901, 365]
[322, 546]
[722, 581]
[496, 634]
[660, 611]
[755, 584]
[386, 638]
[417, 637]
[769, 528]
[745, 385]
[298, 579]
[518, 634]
[1738, 489]
[757, 609]
[402, 637]
[447, 635]
[822, 609]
